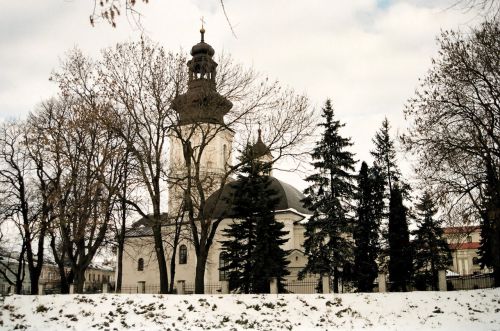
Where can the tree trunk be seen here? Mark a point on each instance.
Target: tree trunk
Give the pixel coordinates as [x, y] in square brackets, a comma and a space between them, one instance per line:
[160, 255]
[172, 270]
[199, 282]
[495, 246]
[79, 279]
[335, 280]
[119, 271]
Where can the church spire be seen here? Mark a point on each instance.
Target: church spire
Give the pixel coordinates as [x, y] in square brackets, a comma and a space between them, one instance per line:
[202, 30]
[202, 103]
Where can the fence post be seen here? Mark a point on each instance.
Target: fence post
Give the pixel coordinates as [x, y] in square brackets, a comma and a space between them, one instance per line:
[71, 288]
[105, 287]
[325, 284]
[273, 286]
[40, 289]
[141, 287]
[224, 287]
[382, 285]
[180, 286]
[442, 280]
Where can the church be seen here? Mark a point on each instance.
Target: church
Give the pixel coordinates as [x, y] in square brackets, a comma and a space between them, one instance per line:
[203, 107]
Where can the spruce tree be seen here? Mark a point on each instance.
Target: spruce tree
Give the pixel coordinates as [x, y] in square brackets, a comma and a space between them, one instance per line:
[384, 156]
[328, 249]
[253, 247]
[400, 260]
[489, 245]
[430, 250]
[369, 210]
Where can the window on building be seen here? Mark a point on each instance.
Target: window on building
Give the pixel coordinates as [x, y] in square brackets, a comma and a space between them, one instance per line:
[140, 264]
[475, 260]
[223, 274]
[98, 278]
[469, 239]
[183, 254]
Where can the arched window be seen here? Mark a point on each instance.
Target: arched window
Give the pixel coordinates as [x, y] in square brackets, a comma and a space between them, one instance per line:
[183, 254]
[140, 264]
[223, 274]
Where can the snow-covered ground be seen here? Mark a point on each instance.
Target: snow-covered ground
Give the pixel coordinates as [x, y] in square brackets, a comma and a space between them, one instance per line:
[462, 310]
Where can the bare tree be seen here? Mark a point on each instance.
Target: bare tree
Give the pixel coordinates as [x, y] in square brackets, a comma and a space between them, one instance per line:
[454, 128]
[85, 161]
[488, 8]
[25, 193]
[140, 81]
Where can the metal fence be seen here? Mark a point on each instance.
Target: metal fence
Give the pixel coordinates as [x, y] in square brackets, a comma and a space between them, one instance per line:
[7, 289]
[470, 282]
[302, 286]
[52, 288]
[212, 288]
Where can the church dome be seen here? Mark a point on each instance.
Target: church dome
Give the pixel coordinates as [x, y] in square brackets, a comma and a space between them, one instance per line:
[219, 205]
[260, 149]
[202, 47]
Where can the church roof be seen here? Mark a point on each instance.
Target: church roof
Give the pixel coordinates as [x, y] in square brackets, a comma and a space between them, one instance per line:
[219, 205]
[259, 148]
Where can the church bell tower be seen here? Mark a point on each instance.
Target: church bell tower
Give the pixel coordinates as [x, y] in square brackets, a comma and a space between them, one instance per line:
[202, 103]
[201, 125]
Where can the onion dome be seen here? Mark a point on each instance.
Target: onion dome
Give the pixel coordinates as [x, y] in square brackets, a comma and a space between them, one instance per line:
[260, 149]
[202, 47]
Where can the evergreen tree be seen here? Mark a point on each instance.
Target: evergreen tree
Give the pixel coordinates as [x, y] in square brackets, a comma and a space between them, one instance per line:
[400, 260]
[385, 156]
[253, 249]
[326, 245]
[369, 212]
[489, 245]
[430, 250]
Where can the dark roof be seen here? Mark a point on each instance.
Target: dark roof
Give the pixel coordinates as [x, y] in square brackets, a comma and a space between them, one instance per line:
[260, 149]
[142, 227]
[218, 205]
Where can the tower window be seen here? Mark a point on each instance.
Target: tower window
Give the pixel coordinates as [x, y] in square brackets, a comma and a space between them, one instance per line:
[223, 274]
[182, 254]
[469, 239]
[140, 264]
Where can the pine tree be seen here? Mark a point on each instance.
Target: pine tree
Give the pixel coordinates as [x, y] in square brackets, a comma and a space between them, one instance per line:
[430, 250]
[326, 245]
[369, 212]
[400, 260]
[253, 247]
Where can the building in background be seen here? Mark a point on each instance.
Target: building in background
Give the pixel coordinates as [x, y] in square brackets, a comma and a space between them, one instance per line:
[464, 244]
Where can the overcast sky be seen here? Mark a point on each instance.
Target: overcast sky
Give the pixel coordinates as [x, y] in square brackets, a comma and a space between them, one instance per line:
[366, 55]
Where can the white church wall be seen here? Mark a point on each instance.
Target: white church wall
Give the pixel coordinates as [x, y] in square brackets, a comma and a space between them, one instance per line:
[144, 248]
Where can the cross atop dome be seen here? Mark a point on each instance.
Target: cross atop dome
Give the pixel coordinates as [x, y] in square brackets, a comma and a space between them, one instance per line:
[202, 30]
